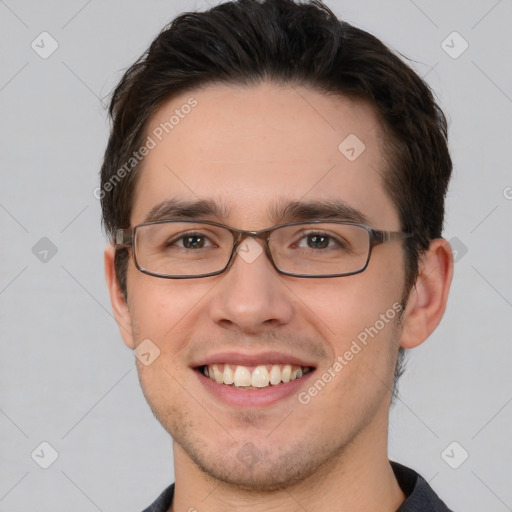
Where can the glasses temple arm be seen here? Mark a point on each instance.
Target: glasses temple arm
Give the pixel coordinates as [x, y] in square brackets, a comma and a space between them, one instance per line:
[124, 237]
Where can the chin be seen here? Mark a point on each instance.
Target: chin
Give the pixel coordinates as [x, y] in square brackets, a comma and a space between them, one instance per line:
[245, 466]
[262, 476]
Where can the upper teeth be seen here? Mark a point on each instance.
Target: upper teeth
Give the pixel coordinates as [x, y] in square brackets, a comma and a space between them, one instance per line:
[261, 377]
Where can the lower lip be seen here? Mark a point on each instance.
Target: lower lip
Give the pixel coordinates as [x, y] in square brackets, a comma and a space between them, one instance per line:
[240, 397]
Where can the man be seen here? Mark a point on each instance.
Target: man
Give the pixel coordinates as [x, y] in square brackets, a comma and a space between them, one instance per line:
[273, 189]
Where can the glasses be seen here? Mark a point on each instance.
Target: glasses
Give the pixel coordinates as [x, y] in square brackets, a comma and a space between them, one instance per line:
[183, 249]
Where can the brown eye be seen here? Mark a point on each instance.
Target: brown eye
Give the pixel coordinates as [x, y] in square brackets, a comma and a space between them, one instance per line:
[318, 241]
[190, 241]
[193, 242]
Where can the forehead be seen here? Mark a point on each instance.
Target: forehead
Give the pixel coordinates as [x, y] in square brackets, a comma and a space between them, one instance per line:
[248, 148]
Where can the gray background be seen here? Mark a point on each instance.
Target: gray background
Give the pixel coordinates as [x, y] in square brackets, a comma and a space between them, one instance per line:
[66, 377]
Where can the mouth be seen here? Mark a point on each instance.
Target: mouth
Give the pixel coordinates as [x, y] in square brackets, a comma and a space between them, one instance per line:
[253, 377]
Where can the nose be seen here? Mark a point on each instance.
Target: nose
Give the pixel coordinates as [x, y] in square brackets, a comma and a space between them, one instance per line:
[251, 295]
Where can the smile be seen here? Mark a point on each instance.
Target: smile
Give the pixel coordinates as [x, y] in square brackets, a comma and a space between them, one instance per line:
[254, 377]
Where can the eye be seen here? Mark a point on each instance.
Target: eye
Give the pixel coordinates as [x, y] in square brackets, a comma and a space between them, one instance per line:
[191, 241]
[319, 240]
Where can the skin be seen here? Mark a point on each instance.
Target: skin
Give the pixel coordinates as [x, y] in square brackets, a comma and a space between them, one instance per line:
[246, 147]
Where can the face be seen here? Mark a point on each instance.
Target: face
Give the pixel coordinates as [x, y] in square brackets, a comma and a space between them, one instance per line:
[247, 149]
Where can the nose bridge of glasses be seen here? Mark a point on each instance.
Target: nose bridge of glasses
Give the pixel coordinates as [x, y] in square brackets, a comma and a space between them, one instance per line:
[250, 252]
[241, 235]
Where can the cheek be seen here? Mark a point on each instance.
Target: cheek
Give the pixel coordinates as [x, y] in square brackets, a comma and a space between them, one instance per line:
[341, 308]
[357, 316]
[166, 311]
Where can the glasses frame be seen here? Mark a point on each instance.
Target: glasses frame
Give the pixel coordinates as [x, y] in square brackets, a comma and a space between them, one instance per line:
[126, 238]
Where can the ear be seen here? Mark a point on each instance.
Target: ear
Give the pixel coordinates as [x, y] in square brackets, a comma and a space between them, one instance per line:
[119, 304]
[428, 296]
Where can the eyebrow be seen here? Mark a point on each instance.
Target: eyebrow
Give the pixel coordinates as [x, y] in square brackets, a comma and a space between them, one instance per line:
[279, 212]
[178, 209]
[332, 209]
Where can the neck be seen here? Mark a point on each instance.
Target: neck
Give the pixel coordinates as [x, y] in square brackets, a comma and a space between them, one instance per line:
[360, 478]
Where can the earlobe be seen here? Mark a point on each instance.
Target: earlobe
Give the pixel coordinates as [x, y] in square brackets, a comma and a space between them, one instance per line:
[119, 304]
[429, 295]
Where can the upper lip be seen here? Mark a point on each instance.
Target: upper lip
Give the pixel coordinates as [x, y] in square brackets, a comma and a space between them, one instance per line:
[238, 358]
